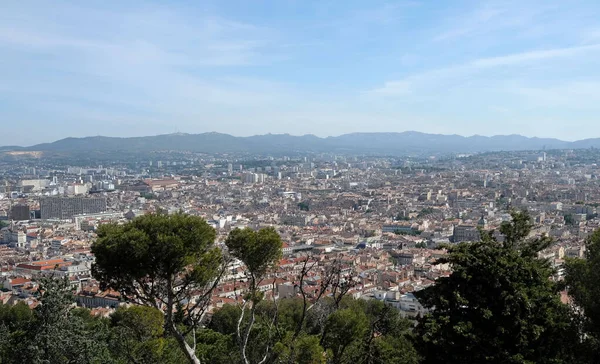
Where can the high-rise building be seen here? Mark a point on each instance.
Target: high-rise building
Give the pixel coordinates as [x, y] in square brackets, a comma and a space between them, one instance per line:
[250, 178]
[465, 233]
[20, 212]
[65, 208]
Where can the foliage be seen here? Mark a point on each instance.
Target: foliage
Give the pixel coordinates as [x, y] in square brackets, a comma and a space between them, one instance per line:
[581, 280]
[303, 206]
[308, 350]
[259, 250]
[224, 321]
[137, 336]
[342, 328]
[358, 331]
[569, 220]
[161, 261]
[14, 316]
[52, 333]
[216, 348]
[498, 305]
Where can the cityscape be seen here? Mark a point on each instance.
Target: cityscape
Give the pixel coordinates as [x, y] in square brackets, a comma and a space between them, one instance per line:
[386, 220]
[300, 182]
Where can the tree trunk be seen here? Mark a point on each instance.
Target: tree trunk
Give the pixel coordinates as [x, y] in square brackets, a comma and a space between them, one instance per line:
[190, 353]
[187, 349]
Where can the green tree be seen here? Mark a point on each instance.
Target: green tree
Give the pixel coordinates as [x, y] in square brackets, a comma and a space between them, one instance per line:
[343, 328]
[56, 334]
[499, 305]
[224, 321]
[393, 350]
[307, 351]
[388, 336]
[569, 220]
[137, 335]
[15, 322]
[15, 316]
[308, 313]
[259, 251]
[581, 280]
[162, 261]
[217, 348]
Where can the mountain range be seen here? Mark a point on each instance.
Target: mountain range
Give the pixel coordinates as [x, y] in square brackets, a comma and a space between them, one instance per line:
[409, 142]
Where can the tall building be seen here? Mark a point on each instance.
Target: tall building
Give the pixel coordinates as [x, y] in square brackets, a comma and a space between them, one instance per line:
[65, 208]
[465, 233]
[250, 178]
[20, 212]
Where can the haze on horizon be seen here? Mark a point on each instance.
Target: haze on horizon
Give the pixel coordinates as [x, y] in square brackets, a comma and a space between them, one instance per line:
[140, 68]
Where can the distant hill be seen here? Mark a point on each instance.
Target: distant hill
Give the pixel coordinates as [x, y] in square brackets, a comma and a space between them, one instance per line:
[409, 142]
[10, 148]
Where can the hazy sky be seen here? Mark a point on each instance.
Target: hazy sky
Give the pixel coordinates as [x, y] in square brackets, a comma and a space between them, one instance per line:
[125, 68]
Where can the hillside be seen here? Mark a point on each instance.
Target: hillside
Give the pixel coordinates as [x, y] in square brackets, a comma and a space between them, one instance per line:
[372, 143]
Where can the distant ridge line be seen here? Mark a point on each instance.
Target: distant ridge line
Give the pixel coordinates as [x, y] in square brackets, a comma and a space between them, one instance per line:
[375, 143]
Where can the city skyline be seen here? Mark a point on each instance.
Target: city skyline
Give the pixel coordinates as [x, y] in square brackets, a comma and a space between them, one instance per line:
[139, 68]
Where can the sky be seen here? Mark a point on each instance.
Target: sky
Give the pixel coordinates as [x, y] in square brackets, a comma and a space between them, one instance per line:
[134, 68]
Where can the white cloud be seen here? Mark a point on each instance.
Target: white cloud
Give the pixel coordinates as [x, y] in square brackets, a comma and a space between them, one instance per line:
[538, 55]
[159, 58]
[516, 16]
[454, 74]
[166, 36]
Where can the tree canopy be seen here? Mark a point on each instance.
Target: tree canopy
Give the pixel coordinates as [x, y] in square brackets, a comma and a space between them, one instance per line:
[499, 304]
[581, 280]
[259, 250]
[161, 261]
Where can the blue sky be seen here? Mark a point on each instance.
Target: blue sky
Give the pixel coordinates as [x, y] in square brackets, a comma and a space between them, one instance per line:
[128, 68]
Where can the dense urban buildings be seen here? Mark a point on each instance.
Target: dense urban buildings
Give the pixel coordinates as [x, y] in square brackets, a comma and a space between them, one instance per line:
[386, 220]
